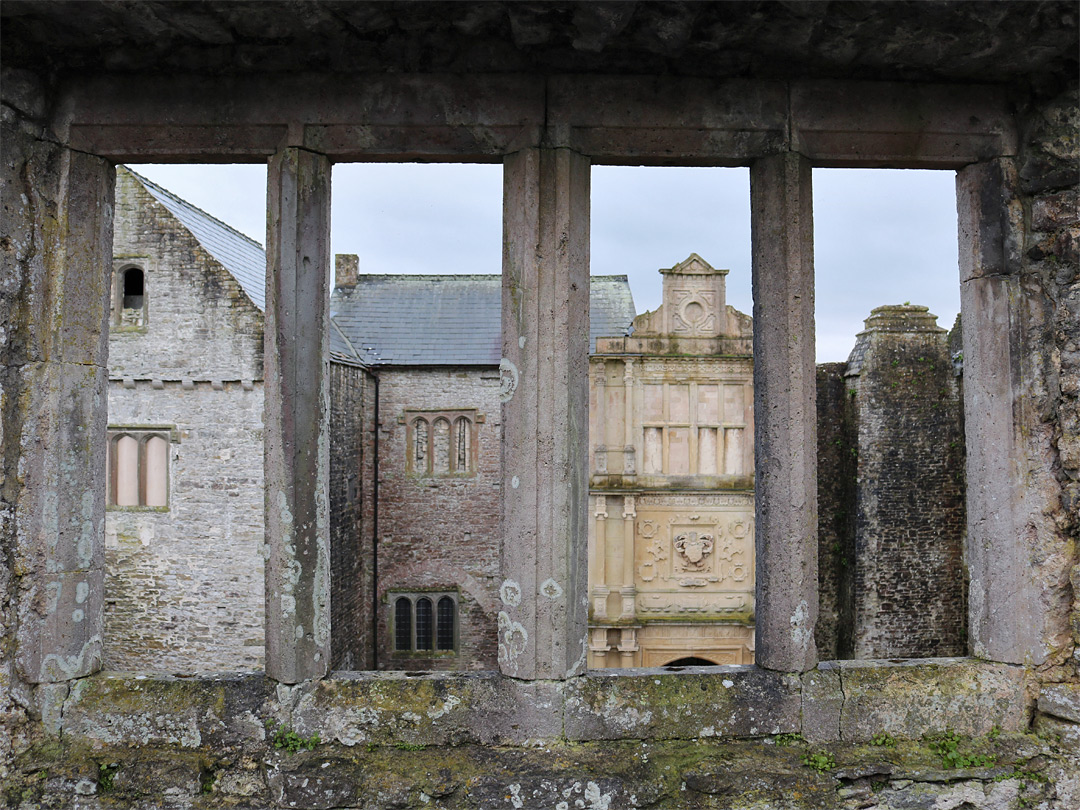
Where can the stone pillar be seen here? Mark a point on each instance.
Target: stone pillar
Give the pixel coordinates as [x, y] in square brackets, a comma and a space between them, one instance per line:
[1010, 610]
[628, 591]
[629, 462]
[782, 234]
[598, 419]
[545, 421]
[297, 417]
[55, 285]
[600, 589]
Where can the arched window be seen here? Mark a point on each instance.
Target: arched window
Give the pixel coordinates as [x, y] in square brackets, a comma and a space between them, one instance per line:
[445, 620]
[440, 443]
[462, 444]
[420, 446]
[130, 297]
[138, 467]
[423, 623]
[441, 457]
[403, 624]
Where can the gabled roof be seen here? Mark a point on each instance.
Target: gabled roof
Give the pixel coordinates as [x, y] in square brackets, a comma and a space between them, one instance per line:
[431, 320]
[243, 257]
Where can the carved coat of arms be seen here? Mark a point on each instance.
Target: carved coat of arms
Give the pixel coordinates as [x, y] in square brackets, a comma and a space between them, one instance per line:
[693, 548]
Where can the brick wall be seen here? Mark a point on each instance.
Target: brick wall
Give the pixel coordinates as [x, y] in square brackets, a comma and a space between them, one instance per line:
[440, 533]
[352, 425]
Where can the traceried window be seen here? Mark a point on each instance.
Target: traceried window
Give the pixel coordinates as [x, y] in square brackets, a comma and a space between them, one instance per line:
[138, 467]
[424, 622]
[129, 298]
[441, 443]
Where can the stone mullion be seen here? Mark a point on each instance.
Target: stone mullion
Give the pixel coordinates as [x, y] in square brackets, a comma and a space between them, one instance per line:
[297, 417]
[543, 617]
[782, 234]
[56, 385]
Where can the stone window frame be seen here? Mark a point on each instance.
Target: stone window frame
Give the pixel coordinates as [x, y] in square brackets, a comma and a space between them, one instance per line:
[120, 271]
[430, 417]
[413, 596]
[545, 130]
[142, 434]
[693, 426]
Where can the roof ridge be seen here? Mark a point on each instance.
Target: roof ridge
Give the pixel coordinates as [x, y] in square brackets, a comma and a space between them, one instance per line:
[176, 198]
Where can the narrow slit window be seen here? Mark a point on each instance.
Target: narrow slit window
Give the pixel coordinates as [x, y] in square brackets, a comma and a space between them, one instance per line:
[423, 623]
[461, 429]
[444, 629]
[403, 624]
[420, 443]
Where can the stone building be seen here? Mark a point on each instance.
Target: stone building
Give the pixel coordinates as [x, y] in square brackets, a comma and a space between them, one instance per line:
[671, 567]
[184, 526]
[433, 343]
[891, 493]
[989, 91]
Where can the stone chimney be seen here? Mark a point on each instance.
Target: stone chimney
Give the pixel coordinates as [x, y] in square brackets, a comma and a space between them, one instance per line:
[346, 269]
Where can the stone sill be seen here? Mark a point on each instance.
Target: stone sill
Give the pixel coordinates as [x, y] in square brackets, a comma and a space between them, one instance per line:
[847, 701]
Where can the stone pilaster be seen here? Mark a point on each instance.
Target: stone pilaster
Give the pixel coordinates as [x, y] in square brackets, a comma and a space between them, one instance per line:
[59, 202]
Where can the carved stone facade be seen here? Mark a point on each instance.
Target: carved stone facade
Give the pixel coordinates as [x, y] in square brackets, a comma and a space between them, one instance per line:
[671, 532]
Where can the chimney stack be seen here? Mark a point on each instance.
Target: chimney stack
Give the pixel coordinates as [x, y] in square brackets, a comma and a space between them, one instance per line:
[346, 269]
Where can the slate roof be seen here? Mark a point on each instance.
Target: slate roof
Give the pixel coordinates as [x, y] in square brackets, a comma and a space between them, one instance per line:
[240, 255]
[431, 320]
[411, 320]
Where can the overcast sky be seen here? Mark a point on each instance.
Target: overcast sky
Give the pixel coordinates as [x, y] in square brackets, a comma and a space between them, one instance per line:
[880, 237]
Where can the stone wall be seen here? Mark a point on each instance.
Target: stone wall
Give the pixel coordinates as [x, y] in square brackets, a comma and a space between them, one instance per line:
[837, 458]
[184, 586]
[440, 533]
[909, 489]
[200, 324]
[352, 512]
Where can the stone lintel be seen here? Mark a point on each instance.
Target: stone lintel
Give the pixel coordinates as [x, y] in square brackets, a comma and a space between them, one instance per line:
[545, 414]
[900, 124]
[785, 386]
[613, 119]
[297, 458]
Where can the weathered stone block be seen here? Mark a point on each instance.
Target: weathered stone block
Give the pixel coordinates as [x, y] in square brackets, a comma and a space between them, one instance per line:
[1061, 700]
[61, 507]
[60, 625]
[385, 709]
[219, 712]
[315, 782]
[706, 702]
[822, 703]
[911, 698]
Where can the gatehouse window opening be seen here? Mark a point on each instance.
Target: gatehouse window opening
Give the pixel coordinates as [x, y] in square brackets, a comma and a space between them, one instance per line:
[671, 451]
[417, 297]
[184, 527]
[891, 446]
